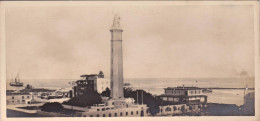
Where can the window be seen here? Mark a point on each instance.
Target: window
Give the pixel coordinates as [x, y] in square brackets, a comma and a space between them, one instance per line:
[121, 114]
[23, 97]
[115, 114]
[191, 92]
[103, 109]
[136, 112]
[190, 107]
[109, 114]
[126, 113]
[147, 111]
[104, 115]
[195, 92]
[97, 115]
[23, 101]
[84, 116]
[167, 109]
[161, 110]
[174, 108]
[91, 115]
[28, 97]
[97, 109]
[12, 97]
[132, 113]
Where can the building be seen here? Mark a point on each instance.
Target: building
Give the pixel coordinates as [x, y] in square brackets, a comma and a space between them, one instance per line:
[187, 95]
[102, 84]
[93, 82]
[13, 98]
[191, 100]
[249, 104]
[124, 107]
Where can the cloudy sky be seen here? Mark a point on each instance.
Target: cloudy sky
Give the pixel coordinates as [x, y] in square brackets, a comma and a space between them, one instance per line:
[61, 42]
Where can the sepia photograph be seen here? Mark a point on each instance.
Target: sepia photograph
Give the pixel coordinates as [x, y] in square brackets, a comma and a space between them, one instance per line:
[129, 59]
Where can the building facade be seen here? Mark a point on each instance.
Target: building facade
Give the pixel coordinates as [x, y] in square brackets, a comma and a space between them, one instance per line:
[91, 82]
[177, 100]
[15, 98]
[102, 84]
[124, 107]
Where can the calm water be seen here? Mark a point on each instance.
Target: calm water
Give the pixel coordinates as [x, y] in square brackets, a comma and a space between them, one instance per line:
[156, 86]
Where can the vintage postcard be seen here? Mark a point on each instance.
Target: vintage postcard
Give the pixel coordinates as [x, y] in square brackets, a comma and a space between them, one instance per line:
[132, 60]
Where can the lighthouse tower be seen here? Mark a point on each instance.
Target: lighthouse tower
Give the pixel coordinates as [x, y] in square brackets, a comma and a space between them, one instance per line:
[116, 72]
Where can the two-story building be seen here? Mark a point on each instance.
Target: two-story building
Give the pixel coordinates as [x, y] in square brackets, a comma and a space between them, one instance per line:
[191, 99]
[93, 82]
[13, 98]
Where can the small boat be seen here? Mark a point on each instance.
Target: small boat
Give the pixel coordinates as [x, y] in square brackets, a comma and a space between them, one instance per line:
[16, 82]
[207, 90]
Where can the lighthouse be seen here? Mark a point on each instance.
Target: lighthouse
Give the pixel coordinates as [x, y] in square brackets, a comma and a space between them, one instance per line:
[116, 67]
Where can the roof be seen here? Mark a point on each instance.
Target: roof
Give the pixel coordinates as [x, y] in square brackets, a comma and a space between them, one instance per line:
[164, 95]
[18, 93]
[183, 88]
[87, 75]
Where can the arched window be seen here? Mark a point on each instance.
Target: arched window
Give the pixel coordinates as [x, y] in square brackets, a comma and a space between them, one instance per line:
[168, 109]
[174, 108]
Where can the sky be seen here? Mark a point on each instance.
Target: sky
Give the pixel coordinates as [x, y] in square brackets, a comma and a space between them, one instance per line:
[63, 42]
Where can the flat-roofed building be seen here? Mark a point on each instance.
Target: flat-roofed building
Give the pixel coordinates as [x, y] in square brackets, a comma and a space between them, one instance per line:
[124, 107]
[188, 95]
[191, 100]
[14, 98]
[93, 82]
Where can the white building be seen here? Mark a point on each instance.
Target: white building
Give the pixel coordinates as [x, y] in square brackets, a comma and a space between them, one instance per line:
[124, 107]
[102, 84]
[18, 98]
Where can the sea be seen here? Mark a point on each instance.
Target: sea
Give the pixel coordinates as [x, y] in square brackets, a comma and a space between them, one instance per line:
[156, 86]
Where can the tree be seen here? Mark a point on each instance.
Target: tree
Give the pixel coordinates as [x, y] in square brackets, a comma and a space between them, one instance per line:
[88, 98]
[106, 93]
[148, 99]
[52, 107]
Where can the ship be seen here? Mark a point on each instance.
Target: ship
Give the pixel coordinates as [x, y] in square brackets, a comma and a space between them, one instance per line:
[16, 82]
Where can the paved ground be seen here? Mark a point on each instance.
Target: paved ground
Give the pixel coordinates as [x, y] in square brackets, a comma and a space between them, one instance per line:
[15, 114]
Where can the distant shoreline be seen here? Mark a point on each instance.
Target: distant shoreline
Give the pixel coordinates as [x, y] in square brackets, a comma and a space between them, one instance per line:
[229, 88]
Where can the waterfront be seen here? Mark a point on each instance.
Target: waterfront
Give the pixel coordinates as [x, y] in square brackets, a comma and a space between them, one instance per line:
[156, 86]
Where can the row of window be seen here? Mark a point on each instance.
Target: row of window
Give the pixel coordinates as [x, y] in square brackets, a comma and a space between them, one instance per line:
[175, 108]
[115, 114]
[169, 109]
[18, 101]
[174, 91]
[195, 92]
[22, 97]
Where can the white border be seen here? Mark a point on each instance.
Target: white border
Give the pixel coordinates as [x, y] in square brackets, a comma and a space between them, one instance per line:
[4, 4]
